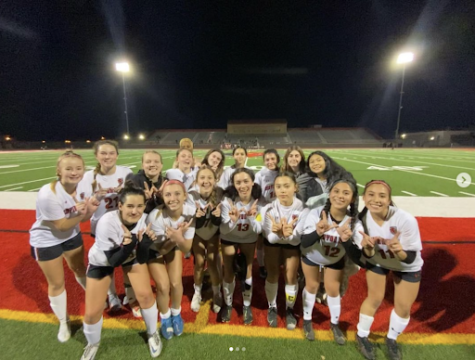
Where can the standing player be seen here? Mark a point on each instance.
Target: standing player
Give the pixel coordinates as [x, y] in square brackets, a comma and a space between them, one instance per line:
[265, 178]
[206, 242]
[392, 243]
[121, 239]
[240, 157]
[325, 238]
[240, 225]
[106, 180]
[55, 235]
[283, 221]
[173, 223]
[215, 159]
[294, 161]
[185, 171]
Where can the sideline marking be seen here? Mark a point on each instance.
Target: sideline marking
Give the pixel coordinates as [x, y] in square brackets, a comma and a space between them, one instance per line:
[8, 166]
[438, 193]
[407, 192]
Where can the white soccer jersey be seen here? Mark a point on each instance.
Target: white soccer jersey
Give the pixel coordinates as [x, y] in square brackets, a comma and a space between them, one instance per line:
[410, 239]
[208, 230]
[246, 229]
[110, 235]
[112, 183]
[329, 250]
[161, 220]
[52, 206]
[265, 178]
[225, 179]
[278, 212]
[186, 179]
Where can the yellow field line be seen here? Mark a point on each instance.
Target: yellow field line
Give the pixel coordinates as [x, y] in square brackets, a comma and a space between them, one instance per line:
[201, 326]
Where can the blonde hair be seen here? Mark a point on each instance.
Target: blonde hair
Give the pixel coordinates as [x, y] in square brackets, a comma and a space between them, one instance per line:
[67, 154]
[216, 194]
[186, 141]
[152, 152]
[97, 169]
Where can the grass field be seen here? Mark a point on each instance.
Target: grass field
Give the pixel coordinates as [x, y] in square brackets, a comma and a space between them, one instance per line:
[411, 172]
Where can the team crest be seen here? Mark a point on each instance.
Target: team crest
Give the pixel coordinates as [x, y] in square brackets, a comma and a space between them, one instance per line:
[393, 230]
[120, 181]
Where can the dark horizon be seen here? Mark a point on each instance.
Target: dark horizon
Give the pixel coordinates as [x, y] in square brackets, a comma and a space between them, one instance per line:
[196, 66]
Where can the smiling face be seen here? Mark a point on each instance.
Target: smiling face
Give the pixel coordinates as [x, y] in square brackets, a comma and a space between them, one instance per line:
[214, 159]
[107, 156]
[174, 197]
[132, 209]
[285, 189]
[341, 196]
[377, 199]
[70, 170]
[206, 181]
[316, 163]
[270, 161]
[294, 159]
[152, 165]
[243, 184]
[240, 157]
[184, 159]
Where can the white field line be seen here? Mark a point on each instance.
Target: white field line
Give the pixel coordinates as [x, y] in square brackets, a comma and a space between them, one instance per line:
[461, 192]
[28, 182]
[361, 186]
[34, 189]
[8, 166]
[438, 193]
[422, 162]
[18, 171]
[407, 171]
[448, 158]
[408, 193]
[15, 188]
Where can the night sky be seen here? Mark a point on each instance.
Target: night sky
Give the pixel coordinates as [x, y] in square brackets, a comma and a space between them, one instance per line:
[197, 64]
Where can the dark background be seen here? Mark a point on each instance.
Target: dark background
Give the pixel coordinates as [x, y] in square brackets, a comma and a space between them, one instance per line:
[197, 64]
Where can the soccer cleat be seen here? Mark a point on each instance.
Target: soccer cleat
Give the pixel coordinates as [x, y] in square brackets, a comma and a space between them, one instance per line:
[217, 302]
[166, 328]
[262, 272]
[90, 352]
[393, 349]
[247, 315]
[365, 347]
[308, 330]
[177, 324]
[290, 320]
[196, 302]
[225, 313]
[114, 302]
[337, 334]
[155, 345]
[64, 333]
[272, 316]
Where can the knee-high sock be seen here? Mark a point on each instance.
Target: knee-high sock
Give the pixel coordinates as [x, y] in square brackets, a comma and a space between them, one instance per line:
[247, 293]
[364, 325]
[334, 304]
[271, 293]
[59, 306]
[150, 317]
[290, 295]
[228, 292]
[396, 325]
[93, 332]
[308, 304]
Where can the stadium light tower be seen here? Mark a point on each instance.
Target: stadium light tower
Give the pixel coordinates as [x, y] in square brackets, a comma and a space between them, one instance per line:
[403, 58]
[123, 67]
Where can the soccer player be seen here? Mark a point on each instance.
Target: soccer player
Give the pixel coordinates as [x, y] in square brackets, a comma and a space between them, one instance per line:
[185, 171]
[60, 207]
[240, 157]
[215, 159]
[122, 238]
[391, 243]
[173, 224]
[283, 221]
[207, 199]
[326, 235]
[240, 226]
[294, 161]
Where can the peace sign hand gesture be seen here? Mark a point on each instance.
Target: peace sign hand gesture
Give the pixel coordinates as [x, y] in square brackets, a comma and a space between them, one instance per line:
[149, 192]
[344, 230]
[217, 211]
[100, 193]
[253, 210]
[394, 245]
[199, 211]
[323, 226]
[288, 228]
[233, 212]
[276, 227]
[148, 231]
[184, 226]
[367, 242]
[127, 238]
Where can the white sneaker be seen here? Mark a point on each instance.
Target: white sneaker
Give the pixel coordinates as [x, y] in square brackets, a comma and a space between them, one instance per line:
[114, 302]
[155, 345]
[217, 303]
[196, 302]
[64, 333]
[90, 352]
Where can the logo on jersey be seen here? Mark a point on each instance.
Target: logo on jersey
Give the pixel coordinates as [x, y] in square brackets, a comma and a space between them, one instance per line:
[81, 195]
[120, 181]
[393, 230]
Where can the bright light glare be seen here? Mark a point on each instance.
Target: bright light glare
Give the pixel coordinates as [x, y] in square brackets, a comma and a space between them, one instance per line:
[122, 67]
[126, 137]
[142, 137]
[403, 136]
[405, 58]
[432, 137]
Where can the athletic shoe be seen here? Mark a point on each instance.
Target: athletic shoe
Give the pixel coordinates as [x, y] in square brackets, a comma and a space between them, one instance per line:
[177, 324]
[337, 334]
[90, 352]
[247, 314]
[262, 272]
[167, 328]
[217, 302]
[225, 313]
[308, 330]
[136, 312]
[290, 319]
[114, 302]
[365, 347]
[393, 349]
[196, 302]
[272, 316]
[64, 333]
[155, 345]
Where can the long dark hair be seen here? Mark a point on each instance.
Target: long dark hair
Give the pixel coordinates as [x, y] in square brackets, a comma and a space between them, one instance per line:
[231, 191]
[277, 156]
[130, 189]
[363, 212]
[332, 171]
[353, 211]
[286, 166]
[220, 169]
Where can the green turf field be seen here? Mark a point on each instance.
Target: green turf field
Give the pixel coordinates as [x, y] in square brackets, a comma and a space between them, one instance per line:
[411, 172]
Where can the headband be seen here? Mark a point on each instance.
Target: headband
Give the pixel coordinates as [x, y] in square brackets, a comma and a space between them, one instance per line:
[380, 182]
[176, 182]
